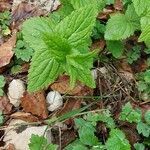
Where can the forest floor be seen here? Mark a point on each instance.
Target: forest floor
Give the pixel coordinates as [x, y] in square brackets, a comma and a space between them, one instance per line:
[80, 117]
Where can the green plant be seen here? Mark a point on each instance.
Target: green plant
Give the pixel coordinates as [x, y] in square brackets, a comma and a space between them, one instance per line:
[139, 146]
[87, 129]
[23, 51]
[2, 84]
[135, 116]
[1, 118]
[40, 143]
[134, 54]
[144, 82]
[61, 47]
[121, 26]
[4, 22]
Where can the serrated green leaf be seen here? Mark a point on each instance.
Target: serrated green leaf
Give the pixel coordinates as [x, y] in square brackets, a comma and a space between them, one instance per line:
[134, 54]
[141, 6]
[118, 28]
[145, 35]
[86, 132]
[104, 117]
[139, 146]
[147, 117]
[100, 4]
[23, 51]
[80, 147]
[1, 118]
[116, 48]
[2, 83]
[143, 129]
[43, 71]
[65, 9]
[117, 141]
[69, 38]
[142, 86]
[109, 2]
[33, 30]
[77, 27]
[40, 143]
[129, 114]
[145, 21]
[121, 26]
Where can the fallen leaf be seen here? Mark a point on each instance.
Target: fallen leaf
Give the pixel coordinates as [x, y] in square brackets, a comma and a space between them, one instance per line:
[62, 85]
[106, 12]
[24, 116]
[70, 105]
[118, 5]
[131, 134]
[23, 11]
[6, 52]
[5, 5]
[5, 105]
[98, 45]
[66, 137]
[22, 139]
[35, 104]
[10, 147]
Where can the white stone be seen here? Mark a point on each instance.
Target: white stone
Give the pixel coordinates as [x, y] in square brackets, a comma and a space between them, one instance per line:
[54, 100]
[21, 140]
[15, 91]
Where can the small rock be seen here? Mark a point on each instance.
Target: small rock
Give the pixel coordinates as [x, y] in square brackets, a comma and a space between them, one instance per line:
[54, 99]
[15, 91]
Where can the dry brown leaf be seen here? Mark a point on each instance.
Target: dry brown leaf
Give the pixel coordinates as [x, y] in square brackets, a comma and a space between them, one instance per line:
[6, 52]
[62, 86]
[131, 134]
[5, 5]
[98, 45]
[118, 5]
[70, 105]
[106, 12]
[35, 104]
[24, 116]
[5, 105]
[10, 147]
[66, 137]
[23, 11]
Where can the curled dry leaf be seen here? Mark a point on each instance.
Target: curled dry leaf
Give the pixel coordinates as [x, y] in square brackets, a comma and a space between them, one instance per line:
[35, 104]
[62, 86]
[24, 116]
[5, 105]
[6, 52]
